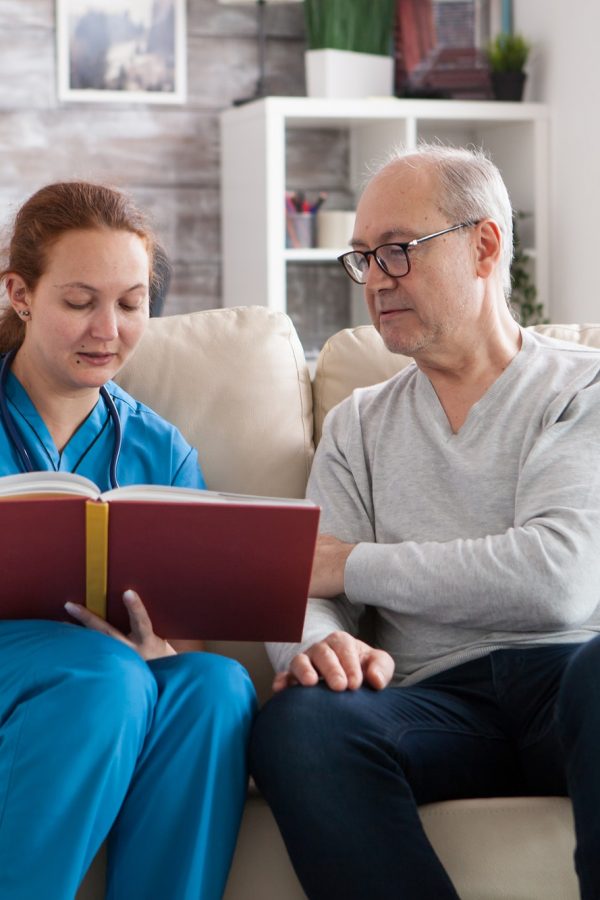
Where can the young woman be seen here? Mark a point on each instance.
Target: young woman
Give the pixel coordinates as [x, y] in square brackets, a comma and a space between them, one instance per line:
[101, 733]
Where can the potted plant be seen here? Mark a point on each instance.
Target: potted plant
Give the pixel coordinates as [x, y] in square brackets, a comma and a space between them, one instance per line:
[523, 298]
[349, 48]
[507, 55]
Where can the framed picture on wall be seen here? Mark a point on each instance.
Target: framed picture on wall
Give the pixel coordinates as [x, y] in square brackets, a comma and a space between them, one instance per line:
[121, 50]
[440, 46]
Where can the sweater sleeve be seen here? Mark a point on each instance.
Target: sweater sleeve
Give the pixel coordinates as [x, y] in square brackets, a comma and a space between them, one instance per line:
[541, 574]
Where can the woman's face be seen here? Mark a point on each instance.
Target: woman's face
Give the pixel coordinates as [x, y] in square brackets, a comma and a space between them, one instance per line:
[88, 310]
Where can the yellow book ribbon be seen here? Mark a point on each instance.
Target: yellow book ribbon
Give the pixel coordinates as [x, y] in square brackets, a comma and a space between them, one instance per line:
[96, 556]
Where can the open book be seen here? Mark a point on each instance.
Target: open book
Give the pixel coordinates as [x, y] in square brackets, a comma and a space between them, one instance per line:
[207, 565]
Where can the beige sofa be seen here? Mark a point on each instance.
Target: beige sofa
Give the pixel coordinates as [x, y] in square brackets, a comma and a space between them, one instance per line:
[236, 383]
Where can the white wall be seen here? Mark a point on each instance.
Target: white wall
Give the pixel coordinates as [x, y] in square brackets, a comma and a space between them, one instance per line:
[565, 73]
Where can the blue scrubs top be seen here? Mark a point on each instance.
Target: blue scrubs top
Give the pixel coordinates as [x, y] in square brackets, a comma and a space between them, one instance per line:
[153, 451]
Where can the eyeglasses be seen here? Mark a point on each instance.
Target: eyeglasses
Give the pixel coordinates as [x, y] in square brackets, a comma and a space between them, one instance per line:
[393, 259]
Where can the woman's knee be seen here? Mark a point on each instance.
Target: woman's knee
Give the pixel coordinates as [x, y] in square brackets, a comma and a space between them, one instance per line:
[71, 652]
[105, 681]
[213, 685]
[113, 681]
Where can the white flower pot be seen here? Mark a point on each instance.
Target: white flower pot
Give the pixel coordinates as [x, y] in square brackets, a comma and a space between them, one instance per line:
[344, 73]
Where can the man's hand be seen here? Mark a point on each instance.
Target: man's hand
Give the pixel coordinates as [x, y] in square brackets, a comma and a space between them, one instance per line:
[327, 579]
[342, 661]
[141, 637]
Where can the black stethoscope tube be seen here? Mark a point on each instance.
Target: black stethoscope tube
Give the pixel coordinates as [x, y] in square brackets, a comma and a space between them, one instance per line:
[17, 441]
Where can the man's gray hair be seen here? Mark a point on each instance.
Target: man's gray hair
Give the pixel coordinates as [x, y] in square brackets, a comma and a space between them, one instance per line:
[472, 189]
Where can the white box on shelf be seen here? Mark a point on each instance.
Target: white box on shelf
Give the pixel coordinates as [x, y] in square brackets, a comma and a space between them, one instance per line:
[334, 228]
[345, 73]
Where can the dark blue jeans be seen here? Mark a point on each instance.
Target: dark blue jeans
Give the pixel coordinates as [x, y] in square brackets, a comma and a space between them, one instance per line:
[345, 772]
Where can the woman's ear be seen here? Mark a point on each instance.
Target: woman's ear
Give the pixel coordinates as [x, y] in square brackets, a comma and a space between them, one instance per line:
[18, 295]
[488, 247]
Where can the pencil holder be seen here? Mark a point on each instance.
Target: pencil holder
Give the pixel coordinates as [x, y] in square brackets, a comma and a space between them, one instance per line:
[299, 230]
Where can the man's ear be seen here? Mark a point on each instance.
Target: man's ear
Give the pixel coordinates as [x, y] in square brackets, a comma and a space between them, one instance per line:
[18, 295]
[488, 247]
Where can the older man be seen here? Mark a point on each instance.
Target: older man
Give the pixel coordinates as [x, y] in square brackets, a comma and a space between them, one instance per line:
[461, 501]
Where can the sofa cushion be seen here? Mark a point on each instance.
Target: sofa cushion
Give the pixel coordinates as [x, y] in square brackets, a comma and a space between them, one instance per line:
[505, 848]
[252, 425]
[577, 334]
[480, 842]
[352, 358]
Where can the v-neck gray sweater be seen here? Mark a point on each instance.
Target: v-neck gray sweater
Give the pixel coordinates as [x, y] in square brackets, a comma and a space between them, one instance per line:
[472, 541]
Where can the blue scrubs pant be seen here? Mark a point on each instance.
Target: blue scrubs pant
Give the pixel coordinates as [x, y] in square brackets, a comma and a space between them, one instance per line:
[95, 742]
[345, 772]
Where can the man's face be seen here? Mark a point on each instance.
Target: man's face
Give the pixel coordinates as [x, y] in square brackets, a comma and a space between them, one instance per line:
[441, 293]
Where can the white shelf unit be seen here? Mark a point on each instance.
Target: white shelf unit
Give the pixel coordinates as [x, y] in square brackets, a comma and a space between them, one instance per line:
[253, 158]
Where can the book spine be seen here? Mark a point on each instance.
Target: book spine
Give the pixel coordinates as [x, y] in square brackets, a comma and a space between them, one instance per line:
[96, 553]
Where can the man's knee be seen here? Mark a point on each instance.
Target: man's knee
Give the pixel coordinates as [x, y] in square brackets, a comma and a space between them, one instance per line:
[302, 730]
[579, 696]
[583, 670]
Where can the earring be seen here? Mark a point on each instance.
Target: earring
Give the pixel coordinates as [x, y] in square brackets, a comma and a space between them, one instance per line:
[24, 313]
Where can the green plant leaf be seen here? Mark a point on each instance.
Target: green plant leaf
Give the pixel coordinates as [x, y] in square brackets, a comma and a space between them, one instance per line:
[523, 298]
[365, 26]
[508, 53]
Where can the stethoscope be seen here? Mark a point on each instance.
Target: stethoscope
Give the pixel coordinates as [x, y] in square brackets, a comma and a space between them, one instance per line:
[17, 441]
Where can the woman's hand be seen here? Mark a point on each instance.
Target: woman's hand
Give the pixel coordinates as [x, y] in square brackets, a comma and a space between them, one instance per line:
[141, 637]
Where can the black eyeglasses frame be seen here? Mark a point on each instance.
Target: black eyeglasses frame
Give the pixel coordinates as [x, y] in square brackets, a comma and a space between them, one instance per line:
[405, 246]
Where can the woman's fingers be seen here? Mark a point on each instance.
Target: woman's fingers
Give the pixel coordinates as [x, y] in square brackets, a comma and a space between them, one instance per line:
[139, 620]
[91, 620]
[141, 637]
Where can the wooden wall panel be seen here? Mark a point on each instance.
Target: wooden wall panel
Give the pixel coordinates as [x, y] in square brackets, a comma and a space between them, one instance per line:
[19, 14]
[27, 69]
[145, 146]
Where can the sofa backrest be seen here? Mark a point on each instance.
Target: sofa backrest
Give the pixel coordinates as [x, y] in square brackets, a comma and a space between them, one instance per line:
[352, 358]
[235, 382]
[357, 357]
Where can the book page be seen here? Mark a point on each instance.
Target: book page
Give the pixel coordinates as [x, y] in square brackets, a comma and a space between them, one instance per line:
[61, 483]
[165, 494]
[35, 483]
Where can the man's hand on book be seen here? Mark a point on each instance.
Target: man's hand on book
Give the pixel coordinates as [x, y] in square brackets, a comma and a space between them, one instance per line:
[141, 637]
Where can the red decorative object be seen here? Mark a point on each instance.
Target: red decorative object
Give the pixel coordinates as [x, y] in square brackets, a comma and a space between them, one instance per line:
[437, 52]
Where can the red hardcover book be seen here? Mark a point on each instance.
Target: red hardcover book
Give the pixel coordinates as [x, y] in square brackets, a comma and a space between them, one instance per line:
[207, 565]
